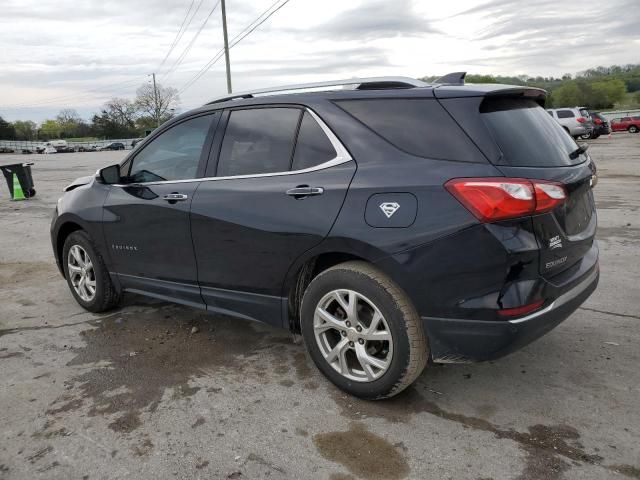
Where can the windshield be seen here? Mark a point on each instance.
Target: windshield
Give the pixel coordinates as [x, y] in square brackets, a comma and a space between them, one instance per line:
[527, 135]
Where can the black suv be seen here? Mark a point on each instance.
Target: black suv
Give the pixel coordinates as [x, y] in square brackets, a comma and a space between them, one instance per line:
[113, 146]
[390, 223]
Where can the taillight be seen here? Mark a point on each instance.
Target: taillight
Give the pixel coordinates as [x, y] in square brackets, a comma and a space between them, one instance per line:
[581, 119]
[493, 199]
[523, 310]
[598, 121]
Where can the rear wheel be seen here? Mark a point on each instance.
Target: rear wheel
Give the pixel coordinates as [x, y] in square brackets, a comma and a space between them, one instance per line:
[633, 129]
[362, 331]
[86, 274]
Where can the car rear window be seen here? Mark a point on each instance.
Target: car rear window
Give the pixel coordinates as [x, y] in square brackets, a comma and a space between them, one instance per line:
[526, 135]
[565, 114]
[417, 126]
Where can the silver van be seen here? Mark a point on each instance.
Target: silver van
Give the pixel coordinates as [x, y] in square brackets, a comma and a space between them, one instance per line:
[576, 121]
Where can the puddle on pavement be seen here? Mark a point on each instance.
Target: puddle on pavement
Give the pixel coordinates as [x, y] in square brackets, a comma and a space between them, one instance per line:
[144, 353]
[547, 447]
[363, 453]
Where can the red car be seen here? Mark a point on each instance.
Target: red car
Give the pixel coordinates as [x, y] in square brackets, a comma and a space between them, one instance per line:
[631, 124]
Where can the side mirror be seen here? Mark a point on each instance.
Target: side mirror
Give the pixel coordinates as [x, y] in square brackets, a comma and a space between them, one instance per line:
[110, 174]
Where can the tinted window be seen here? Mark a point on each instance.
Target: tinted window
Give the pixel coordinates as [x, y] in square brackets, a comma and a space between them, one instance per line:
[417, 126]
[584, 113]
[313, 147]
[258, 141]
[565, 114]
[174, 155]
[526, 135]
[626, 119]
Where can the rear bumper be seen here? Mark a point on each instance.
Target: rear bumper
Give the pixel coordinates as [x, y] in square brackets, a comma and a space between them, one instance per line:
[459, 340]
[581, 130]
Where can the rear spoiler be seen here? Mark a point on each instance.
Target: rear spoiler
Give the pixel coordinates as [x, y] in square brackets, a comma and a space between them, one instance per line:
[490, 89]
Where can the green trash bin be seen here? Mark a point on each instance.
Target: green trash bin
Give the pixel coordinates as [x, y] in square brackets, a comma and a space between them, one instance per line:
[21, 172]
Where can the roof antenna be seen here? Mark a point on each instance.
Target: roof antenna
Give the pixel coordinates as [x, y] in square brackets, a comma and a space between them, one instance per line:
[455, 78]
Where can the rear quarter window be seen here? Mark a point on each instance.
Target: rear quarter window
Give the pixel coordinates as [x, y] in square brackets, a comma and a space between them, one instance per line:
[526, 135]
[417, 126]
[565, 114]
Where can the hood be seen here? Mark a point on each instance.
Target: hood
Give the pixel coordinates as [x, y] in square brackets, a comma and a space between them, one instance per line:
[78, 182]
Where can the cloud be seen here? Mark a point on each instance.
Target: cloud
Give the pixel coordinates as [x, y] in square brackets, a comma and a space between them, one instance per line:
[372, 20]
[70, 48]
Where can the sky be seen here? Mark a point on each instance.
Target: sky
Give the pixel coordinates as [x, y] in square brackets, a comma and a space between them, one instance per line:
[78, 54]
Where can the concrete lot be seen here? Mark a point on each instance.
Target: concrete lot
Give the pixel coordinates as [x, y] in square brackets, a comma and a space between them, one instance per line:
[136, 394]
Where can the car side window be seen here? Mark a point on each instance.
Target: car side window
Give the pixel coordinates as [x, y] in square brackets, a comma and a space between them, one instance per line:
[626, 119]
[174, 154]
[313, 147]
[565, 114]
[258, 140]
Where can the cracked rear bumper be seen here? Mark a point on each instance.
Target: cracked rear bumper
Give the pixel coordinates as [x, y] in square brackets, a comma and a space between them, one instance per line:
[459, 340]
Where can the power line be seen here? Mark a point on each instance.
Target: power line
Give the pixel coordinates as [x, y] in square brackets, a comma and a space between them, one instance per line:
[175, 40]
[87, 93]
[185, 52]
[181, 34]
[234, 41]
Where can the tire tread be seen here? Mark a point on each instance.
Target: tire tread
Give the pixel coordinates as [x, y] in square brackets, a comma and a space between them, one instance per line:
[418, 345]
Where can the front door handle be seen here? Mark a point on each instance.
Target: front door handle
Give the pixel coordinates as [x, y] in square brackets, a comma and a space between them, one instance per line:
[302, 191]
[175, 197]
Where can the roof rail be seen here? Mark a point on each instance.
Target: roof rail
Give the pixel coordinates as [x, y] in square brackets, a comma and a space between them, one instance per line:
[371, 83]
[455, 78]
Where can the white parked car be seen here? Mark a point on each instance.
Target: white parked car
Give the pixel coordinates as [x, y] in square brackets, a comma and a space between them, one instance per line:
[576, 121]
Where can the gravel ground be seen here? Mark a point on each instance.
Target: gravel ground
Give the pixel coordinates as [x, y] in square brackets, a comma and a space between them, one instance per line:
[141, 393]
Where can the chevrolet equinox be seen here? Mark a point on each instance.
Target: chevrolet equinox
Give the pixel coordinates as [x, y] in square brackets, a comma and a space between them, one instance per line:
[388, 221]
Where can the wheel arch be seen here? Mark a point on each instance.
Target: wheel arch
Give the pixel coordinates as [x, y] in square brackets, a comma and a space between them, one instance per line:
[65, 226]
[307, 267]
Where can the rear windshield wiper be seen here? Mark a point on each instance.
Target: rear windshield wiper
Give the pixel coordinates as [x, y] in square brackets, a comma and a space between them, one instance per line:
[579, 151]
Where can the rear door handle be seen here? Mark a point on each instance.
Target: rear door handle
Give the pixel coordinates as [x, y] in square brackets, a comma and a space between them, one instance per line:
[302, 191]
[175, 197]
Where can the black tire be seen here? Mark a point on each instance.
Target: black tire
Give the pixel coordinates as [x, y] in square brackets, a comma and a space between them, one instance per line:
[106, 296]
[32, 192]
[410, 347]
[586, 136]
[595, 135]
[633, 129]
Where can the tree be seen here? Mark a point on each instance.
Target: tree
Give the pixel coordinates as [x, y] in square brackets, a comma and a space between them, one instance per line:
[7, 131]
[157, 104]
[50, 129]
[117, 119]
[567, 95]
[25, 130]
[68, 120]
[606, 93]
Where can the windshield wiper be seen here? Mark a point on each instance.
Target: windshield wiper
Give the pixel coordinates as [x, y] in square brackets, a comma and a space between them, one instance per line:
[579, 151]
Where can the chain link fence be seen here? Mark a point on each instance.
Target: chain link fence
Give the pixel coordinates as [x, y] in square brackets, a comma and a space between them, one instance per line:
[32, 146]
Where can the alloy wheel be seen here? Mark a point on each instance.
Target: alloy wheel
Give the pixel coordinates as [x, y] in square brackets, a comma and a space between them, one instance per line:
[81, 273]
[353, 335]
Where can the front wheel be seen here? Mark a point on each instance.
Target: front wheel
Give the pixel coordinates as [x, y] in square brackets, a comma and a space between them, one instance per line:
[87, 275]
[633, 129]
[362, 331]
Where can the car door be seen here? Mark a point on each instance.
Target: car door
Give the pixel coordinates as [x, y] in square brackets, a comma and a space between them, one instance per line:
[146, 218]
[281, 178]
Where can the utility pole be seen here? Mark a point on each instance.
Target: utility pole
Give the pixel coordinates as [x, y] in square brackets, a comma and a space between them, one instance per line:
[155, 99]
[226, 44]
